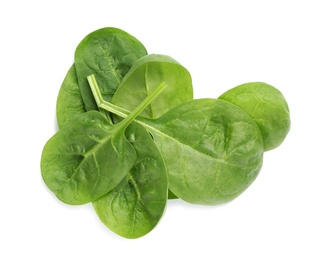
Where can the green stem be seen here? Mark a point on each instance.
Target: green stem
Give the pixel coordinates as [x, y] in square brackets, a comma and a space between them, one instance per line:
[129, 117]
[119, 111]
[97, 96]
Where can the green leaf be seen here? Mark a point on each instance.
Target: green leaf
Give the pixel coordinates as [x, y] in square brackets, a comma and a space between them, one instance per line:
[108, 53]
[69, 101]
[86, 159]
[145, 75]
[137, 204]
[267, 106]
[213, 150]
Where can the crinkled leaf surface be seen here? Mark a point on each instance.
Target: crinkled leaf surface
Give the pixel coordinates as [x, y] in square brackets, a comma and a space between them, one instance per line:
[108, 53]
[69, 101]
[86, 159]
[145, 75]
[136, 205]
[213, 150]
[267, 106]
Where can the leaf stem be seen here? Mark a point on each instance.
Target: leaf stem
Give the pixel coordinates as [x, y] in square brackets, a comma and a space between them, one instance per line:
[129, 117]
[119, 111]
[98, 96]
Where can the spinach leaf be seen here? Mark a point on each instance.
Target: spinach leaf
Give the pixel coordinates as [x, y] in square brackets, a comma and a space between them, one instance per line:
[267, 106]
[84, 160]
[145, 75]
[108, 53]
[89, 156]
[69, 101]
[135, 206]
[205, 151]
[213, 150]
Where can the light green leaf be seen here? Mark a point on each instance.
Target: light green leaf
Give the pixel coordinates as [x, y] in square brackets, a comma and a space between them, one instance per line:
[213, 150]
[267, 106]
[145, 75]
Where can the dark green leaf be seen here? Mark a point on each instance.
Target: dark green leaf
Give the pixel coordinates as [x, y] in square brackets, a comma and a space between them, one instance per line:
[136, 205]
[69, 101]
[107, 53]
[89, 156]
[86, 159]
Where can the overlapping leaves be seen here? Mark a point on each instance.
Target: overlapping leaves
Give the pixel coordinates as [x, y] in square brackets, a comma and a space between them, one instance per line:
[133, 130]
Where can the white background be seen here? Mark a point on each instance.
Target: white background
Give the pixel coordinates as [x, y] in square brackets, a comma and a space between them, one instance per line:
[283, 215]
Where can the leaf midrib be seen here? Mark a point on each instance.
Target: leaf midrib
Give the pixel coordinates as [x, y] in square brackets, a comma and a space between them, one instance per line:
[109, 62]
[160, 133]
[93, 151]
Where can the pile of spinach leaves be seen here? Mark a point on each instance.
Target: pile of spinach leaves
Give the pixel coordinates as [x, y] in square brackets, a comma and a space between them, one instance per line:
[131, 136]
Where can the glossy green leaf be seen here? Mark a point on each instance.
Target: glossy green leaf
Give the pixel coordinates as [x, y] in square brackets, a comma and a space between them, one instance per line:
[108, 53]
[86, 159]
[69, 101]
[213, 150]
[145, 75]
[89, 156]
[267, 106]
[136, 205]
